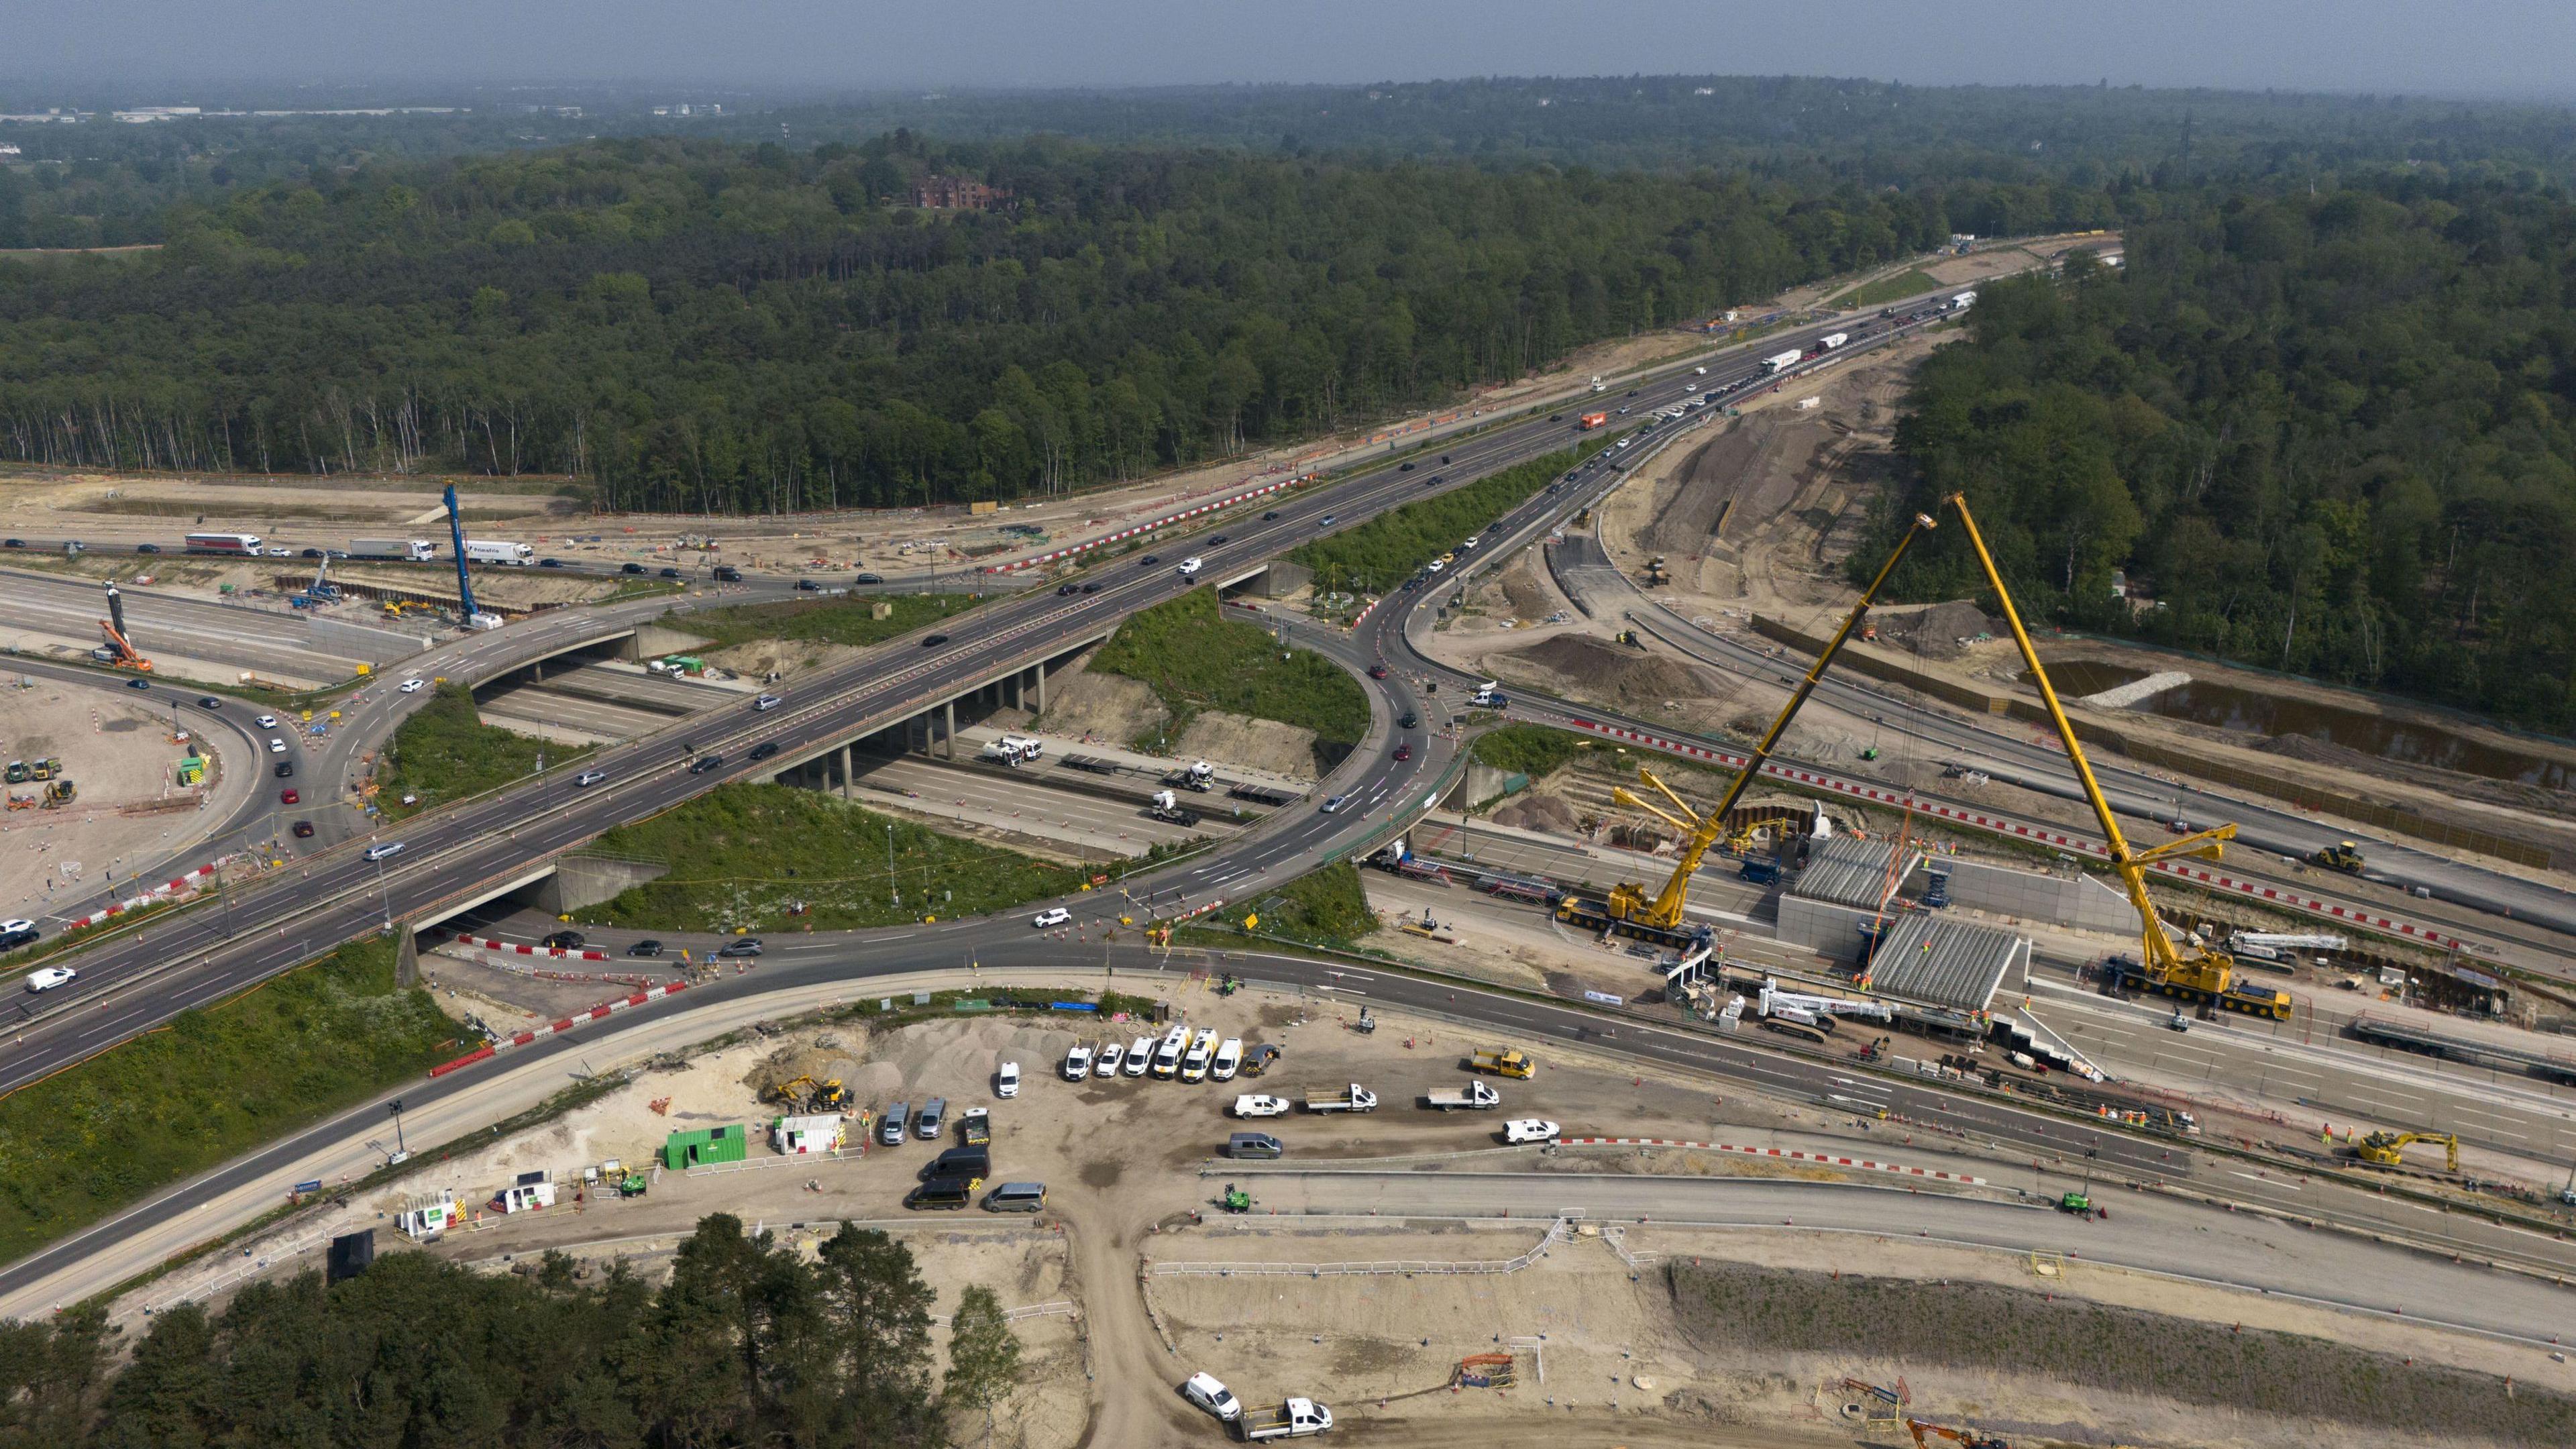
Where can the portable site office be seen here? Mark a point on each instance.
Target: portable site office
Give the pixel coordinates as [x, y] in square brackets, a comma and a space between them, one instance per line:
[705, 1146]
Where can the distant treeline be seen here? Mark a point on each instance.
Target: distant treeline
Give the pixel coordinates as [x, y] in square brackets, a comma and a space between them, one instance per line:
[2332, 433]
[745, 329]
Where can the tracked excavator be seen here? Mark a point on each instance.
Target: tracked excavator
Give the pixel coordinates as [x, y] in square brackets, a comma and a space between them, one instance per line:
[2388, 1149]
[1660, 918]
[1924, 1433]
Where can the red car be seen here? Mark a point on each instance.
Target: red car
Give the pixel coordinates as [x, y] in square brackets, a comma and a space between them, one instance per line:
[1377, 671]
[1403, 752]
[288, 795]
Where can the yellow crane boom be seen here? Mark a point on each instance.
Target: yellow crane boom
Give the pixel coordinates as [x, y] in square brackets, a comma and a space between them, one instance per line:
[2203, 976]
[1629, 911]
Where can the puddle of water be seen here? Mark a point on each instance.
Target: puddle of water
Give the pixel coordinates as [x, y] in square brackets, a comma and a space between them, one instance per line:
[2253, 712]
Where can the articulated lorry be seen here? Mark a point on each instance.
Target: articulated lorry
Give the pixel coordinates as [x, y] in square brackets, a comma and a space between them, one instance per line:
[1782, 361]
[398, 550]
[1167, 806]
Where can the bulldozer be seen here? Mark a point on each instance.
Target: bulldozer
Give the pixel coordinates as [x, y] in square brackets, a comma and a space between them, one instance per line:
[2343, 855]
[2388, 1149]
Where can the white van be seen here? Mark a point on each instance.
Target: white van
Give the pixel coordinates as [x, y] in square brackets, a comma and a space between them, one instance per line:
[1167, 1056]
[1189, 567]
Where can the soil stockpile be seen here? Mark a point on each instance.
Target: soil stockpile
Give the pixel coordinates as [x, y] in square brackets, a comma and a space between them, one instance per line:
[1616, 674]
[1934, 632]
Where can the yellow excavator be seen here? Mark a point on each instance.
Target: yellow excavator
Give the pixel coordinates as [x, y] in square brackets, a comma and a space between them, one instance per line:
[2388, 1149]
[1660, 918]
[2193, 973]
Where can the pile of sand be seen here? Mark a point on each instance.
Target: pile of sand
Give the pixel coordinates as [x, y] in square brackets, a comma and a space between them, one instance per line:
[1108, 707]
[1258, 744]
[1539, 812]
[1614, 673]
[1935, 632]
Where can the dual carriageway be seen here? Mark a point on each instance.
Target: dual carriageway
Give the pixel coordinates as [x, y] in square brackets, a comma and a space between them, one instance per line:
[475, 850]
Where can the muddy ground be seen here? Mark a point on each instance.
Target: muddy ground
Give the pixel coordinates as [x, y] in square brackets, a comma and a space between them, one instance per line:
[130, 810]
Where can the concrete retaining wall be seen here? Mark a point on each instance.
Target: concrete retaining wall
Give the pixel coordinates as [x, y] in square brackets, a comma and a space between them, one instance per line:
[581, 880]
[652, 641]
[1280, 580]
[1829, 930]
[2062, 900]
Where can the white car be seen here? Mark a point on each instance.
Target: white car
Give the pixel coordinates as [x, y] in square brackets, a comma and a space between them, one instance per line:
[266, 721]
[1006, 1082]
[1077, 1063]
[1140, 1055]
[1258, 1104]
[588, 778]
[414, 685]
[766, 703]
[49, 977]
[1529, 1129]
[276, 746]
[1049, 920]
[13, 927]
[379, 852]
[1111, 1057]
[1204, 1391]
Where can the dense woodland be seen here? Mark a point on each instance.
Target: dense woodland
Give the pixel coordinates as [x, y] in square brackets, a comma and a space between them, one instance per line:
[2323, 432]
[709, 327]
[747, 1344]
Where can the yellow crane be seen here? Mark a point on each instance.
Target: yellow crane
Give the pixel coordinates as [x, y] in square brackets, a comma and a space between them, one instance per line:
[2193, 973]
[2388, 1149]
[1629, 911]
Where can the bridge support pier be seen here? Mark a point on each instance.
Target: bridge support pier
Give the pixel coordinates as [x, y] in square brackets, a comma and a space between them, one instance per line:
[948, 723]
[848, 771]
[1039, 669]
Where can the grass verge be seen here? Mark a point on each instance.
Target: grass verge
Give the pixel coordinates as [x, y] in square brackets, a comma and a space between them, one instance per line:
[1528, 749]
[1741, 1309]
[445, 752]
[849, 620]
[216, 1082]
[1194, 659]
[1904, 284]
[1386, 550]
[1328, 907]
[743, 856]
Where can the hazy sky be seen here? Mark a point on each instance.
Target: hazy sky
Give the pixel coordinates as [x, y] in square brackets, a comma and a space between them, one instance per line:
[2451, 47]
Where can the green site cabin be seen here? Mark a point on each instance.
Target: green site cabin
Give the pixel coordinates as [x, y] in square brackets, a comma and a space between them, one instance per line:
[706, 1146]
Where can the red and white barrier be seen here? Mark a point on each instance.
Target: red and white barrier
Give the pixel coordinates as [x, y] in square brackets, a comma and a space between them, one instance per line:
[2211, 879]
[178, 885]
[1164, 522]
[600, 1012]
[491, 943]
[1785, 1153]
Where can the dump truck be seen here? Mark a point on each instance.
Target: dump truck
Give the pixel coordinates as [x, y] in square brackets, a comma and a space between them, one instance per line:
[1292, 1420]
[1502, 1062]
[19, 772]
[1473, 1097]
[1354, 1098]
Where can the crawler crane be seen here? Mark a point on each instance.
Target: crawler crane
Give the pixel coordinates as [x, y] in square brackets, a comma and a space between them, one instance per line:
[1629, 911]
[2200, 975]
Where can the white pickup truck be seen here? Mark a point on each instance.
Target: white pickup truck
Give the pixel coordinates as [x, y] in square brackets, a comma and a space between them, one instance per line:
[1354, 1098]
[1292, 1420]
[1473, 1097]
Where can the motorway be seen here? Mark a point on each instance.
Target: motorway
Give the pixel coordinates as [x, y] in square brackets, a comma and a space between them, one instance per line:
[129, 985]
[334, 895]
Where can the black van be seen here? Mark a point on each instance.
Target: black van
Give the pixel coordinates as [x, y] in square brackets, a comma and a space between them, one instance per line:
[961, 1162]
[947, 1193]
[728, 574]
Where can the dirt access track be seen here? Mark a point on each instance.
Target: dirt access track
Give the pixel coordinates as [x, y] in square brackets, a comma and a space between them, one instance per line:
[1122, 1302]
